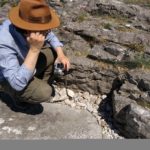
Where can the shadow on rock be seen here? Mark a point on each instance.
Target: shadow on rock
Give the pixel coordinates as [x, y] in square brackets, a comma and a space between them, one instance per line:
[23, 107]
[106, 111]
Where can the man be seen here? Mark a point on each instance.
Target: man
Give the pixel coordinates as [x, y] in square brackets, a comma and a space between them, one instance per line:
[26, 59]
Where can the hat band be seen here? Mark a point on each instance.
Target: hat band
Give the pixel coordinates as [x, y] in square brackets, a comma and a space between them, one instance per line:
[32, 19]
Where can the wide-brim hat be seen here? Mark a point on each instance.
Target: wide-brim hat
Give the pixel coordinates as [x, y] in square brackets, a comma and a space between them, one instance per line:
[34, 15]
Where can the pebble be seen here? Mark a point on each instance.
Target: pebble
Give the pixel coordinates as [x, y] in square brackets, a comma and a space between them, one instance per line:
[70, 93]
[81, 104]
[86, 95]
[89, 108]
[104, 96]
[128, 25]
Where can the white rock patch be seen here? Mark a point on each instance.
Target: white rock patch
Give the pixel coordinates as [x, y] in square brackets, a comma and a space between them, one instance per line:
[10, 119]
[31, 128]
[12, 130]
[2, 121]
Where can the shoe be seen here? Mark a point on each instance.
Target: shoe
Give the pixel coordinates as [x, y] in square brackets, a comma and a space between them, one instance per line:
[23, 106]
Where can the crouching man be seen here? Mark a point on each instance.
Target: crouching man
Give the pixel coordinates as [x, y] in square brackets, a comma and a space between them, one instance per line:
[26, 55]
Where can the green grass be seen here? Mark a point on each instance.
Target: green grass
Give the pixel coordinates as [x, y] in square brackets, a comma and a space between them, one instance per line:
[107, 26]
[82, 17]
[124, 29]
[137, 47]
[139, 62]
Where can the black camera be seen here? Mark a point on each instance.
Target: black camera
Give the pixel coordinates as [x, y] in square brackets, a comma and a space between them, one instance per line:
[59, 69]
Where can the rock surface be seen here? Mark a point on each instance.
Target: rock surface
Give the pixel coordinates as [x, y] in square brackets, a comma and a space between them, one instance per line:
[107, 42]
[54, 122]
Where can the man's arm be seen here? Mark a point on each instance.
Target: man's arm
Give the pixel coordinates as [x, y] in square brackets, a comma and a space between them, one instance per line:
[57, 45]
[36, 41]
[62, 58]
[18, 75]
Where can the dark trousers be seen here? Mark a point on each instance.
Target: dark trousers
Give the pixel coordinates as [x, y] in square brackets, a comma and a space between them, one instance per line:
[38, 89]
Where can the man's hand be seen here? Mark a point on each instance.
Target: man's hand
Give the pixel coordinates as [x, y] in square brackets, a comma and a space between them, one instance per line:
[62, 58]
[36, 41]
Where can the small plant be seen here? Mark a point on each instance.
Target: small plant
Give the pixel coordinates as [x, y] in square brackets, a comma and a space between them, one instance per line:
[82, 53]
[143, 104]
[137, 47]
[139, 61]
[82, 17]
[107, 26]
[124, 29]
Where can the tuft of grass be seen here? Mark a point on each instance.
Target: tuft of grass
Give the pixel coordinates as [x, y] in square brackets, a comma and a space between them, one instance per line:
[82, 17]
[143, 103]
[82, 53]
[107, 26]
[115, 19]
[137, 47]
[139, 62]
[124, 29]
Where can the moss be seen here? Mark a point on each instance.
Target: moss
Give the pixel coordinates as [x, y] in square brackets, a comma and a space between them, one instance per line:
[82, 17]
[107, 26]
[143, 104]
[103, 40]
[124, 29]
[115, 19]
[137, 47]
[83, 53]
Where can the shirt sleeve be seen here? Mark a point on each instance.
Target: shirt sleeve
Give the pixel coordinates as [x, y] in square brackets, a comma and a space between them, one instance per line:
[53, 40]
[17, 75]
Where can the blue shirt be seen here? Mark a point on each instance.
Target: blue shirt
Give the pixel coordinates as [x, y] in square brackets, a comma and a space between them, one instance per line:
[12, 55]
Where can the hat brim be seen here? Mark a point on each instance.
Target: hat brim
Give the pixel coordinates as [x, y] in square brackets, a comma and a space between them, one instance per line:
[20, 23]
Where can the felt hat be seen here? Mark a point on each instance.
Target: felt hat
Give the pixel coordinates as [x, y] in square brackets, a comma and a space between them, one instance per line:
[34, 15]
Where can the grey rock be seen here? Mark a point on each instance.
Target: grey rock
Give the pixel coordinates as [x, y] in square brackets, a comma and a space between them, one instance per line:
[98, 31]
[100, 54]
[128, 105]
[53, 123]
[70, 93]
[137, 117]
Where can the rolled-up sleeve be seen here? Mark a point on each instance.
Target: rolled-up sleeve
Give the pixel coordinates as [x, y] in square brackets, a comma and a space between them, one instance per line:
[17, 75]
[53, 40]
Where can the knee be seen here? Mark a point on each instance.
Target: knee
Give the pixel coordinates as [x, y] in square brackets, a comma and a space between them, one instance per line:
[44, 93]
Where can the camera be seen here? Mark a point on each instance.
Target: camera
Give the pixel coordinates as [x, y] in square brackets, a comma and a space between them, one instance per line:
[58, 69]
